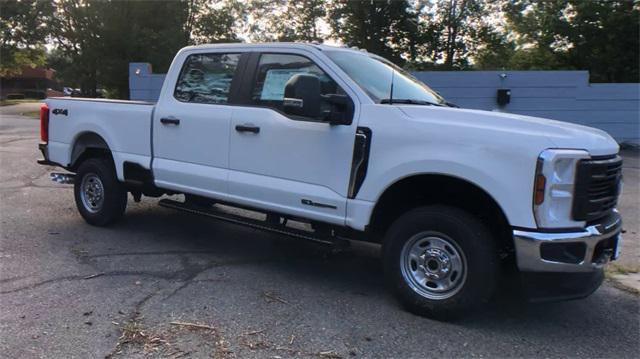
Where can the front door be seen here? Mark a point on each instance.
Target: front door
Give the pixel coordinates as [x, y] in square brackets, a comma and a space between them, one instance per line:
[191, 126]
[293, 165]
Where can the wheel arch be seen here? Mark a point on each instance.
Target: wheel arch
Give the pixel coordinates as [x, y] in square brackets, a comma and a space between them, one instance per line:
[88, 144]
[432, 188]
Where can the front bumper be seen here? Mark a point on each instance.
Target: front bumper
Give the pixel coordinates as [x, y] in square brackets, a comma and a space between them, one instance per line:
[579, 251]
[548, 287]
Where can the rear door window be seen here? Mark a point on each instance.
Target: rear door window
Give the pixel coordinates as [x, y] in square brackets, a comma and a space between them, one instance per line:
[206, 78]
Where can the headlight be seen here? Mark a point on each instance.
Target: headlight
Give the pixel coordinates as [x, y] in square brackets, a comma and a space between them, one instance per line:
[553, 188]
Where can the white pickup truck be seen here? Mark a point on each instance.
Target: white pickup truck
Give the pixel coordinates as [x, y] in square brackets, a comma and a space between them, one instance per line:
[358, 149]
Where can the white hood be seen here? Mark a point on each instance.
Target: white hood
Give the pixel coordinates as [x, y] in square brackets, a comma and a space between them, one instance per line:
[561, 134]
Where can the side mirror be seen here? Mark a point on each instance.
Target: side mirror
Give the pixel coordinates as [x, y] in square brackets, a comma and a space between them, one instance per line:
[302, 96]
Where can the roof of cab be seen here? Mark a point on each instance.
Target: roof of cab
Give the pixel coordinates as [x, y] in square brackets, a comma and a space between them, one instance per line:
[294, 45]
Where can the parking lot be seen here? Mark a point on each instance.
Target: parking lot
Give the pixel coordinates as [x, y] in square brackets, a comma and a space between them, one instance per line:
[169, 284]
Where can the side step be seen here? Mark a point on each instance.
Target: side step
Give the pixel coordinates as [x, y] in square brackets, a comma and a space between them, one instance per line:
[213, 212]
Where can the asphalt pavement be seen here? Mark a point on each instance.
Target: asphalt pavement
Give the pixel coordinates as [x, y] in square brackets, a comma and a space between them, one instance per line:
[166, 284]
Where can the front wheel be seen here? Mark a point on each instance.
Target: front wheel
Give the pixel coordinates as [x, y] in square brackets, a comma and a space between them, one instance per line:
[440, 261]
[100, 197]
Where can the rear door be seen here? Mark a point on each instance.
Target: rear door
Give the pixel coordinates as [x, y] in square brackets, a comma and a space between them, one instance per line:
[191, 124]
[294, 165]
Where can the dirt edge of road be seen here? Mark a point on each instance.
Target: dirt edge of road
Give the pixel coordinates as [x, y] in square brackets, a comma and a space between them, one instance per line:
[620, 278]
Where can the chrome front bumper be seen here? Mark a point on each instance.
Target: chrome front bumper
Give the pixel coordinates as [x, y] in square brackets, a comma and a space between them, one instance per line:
[584, 250]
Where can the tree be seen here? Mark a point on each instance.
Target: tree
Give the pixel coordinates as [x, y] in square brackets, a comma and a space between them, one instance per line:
[98, 40]
[459, 28]
[494, 53]
[75, 28]
[299, 21]
[385, 27]
[219, 22]
[539, 23]
[94, 41]
[65, 69]
[596, 35]
[605, 39]
[23, 35]
[538, 32]
[153, 33]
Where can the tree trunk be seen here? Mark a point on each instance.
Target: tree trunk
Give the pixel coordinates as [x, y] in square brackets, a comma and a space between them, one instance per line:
[451, 15]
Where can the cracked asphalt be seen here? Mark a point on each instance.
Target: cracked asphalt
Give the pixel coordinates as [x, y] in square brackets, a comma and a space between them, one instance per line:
[71, 290]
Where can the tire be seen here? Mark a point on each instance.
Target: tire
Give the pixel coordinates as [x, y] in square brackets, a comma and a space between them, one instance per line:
[100, 197]
[440, 261]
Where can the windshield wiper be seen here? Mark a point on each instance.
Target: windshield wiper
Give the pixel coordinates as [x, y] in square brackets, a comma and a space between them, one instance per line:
[407, 101]
[451, 104]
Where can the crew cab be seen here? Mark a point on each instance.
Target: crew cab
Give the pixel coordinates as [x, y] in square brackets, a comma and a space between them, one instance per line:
[358, 149]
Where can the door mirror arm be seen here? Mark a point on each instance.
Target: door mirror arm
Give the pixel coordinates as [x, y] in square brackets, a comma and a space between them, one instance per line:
[341, 109]
[337, 100]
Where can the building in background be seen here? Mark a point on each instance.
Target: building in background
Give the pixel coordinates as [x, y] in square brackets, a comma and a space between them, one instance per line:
[33, 83]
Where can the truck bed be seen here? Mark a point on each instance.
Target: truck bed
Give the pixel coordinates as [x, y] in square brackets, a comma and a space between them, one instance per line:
[124, 125]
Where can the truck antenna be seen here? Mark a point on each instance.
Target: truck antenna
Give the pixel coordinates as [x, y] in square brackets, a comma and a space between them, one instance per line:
[393, 72]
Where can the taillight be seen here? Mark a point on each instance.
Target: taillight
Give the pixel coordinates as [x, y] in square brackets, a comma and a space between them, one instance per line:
[44, 123]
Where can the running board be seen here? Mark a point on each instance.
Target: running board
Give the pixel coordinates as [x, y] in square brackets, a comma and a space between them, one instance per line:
[254, 223]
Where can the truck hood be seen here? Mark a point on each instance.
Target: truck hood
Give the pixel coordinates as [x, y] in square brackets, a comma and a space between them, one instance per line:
[560, 134]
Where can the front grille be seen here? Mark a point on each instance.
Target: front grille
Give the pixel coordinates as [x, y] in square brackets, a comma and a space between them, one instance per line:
[596, 188]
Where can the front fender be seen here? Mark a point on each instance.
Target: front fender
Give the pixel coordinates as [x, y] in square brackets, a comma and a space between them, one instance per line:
[496, 187]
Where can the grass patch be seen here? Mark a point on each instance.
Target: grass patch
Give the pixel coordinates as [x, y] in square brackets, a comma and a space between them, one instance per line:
[616, 273]
[615, 268]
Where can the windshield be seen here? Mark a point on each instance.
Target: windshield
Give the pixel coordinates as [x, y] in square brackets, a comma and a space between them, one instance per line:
[374, 75]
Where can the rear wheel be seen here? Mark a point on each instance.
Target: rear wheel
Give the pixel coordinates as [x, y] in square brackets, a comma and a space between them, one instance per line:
[100, 197]
[440, 261]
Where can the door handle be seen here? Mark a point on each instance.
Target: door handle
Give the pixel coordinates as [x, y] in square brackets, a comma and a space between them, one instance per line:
[248, 128]
[170, 121]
